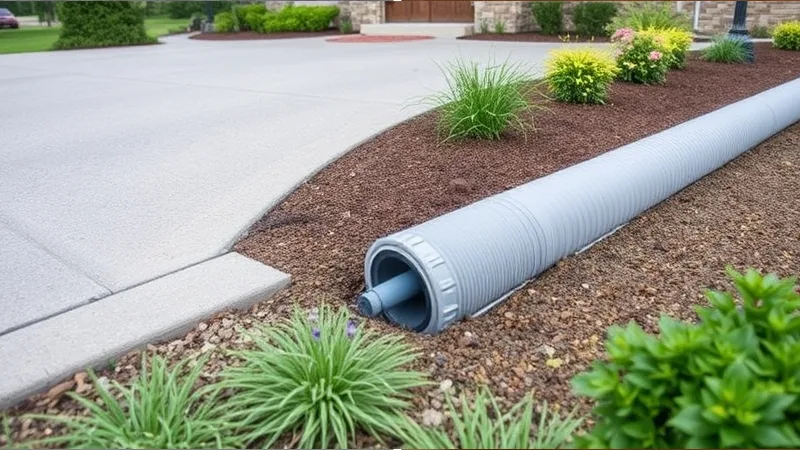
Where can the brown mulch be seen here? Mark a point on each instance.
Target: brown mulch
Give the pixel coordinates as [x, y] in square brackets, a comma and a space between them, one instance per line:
[253, 36]
[532, 36]
[373, 38]
[746, 214]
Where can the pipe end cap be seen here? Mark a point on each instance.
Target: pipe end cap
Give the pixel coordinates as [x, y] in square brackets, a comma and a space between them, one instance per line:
[369, 304]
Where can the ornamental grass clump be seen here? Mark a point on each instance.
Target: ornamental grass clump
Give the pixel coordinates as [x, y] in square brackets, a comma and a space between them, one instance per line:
[786, 36]
[484, 425]
[643, 15]
[160, 409]
[320, 379]
[580, 75]
[675, 43]
[640, 58]
[483, 102]
[729, 380]
[727, 50]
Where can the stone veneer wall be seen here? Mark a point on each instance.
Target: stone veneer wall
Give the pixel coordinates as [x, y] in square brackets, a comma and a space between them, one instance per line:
[717, 16]
[362, 12]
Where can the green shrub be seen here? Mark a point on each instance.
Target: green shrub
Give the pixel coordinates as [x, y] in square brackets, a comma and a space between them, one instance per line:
[320, 378]
[300, 18]
[760, 32]
[640, 58]
[592, 18]
[549, 16]
[675, 42]
[580, 75]
[731, 380]
[786, 36]
[728, 50]
[484, 26]
[499, 27]
[484, 425]
[101, 24]
[644, 15]
[161, 409]
[224, 22]
[184, 10]
[251, 17]
[345, 26]
[482, 103]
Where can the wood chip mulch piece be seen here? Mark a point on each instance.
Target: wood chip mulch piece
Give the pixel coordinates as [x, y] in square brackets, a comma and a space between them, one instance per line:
[253, 36]
[745, 214]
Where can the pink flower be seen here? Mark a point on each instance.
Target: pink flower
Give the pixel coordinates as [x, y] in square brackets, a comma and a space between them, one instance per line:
[624, 35]
[655, 56]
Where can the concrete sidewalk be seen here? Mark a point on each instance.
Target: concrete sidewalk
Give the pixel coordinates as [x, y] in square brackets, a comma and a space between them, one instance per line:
[124, 166]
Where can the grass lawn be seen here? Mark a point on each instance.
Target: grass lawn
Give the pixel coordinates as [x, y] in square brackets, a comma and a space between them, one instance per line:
[38, 39]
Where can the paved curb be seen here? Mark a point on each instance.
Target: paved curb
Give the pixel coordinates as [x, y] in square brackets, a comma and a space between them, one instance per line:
[42, 354]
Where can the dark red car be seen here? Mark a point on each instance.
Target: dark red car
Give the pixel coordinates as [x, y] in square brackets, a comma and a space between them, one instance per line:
[7, 19]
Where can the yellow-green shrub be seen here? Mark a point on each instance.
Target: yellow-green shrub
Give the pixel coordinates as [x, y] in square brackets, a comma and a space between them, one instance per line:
[674, 41]
[787, 35]
[580, 75]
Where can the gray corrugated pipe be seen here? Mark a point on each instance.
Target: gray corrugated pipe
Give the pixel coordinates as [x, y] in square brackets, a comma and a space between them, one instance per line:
[465, 261]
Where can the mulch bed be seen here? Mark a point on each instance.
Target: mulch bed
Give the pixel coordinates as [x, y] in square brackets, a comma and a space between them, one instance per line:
[364, 38]
[253, 36]
[532, 37]
[746, 214]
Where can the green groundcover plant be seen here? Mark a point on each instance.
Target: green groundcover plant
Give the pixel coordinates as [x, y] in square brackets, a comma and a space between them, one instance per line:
[640, 58]
[786, 36]
[731, 380]
[160, 409]
[484, 425]
[727, 50]
[483, 102]
[321, 378]
[580, 75]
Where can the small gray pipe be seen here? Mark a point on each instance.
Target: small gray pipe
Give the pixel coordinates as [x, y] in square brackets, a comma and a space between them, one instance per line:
[468, 259]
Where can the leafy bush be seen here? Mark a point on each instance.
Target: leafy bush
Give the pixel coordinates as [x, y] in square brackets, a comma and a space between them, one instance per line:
[486, 426]
[482, 103]
[101, 24]
[549, 16]
[639, 57]
[732, 380]
[300, 18]
[644, 15]
[760, 32]
[184, 10]
[592, 18]
[320, 377]
[786, 36]
[160, 409]
[223, 22]
[345, 26]
[728, 50]
[675, 42]
[251, 17]
[580, 75]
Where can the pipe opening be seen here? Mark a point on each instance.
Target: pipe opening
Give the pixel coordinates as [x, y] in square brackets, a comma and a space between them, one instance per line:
[414, 312]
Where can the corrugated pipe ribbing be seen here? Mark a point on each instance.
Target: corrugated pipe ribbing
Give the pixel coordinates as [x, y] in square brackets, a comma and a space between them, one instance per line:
[458, 264]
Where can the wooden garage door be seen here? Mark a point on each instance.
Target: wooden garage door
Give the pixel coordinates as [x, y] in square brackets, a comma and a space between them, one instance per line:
[430, 11]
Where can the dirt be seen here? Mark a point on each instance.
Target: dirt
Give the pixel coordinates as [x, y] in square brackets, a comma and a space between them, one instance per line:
[746, 214]
[532, 37]
[253, 36]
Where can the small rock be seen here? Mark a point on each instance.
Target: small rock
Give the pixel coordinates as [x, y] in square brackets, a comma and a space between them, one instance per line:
[431, 418]
[547, 350]
[103, 382]
[227, 323]
[459, 185]
[468, 340]
[509, 315]
[226, 333]
[441, 360]
[436, 404]
[214, 339]
[585, 286]
[202, 326]
[554, 363]
[445, 385]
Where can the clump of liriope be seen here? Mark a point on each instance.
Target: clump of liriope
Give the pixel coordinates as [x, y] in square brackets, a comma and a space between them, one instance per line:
[319, 378]
[160, 409]
[484, 425]
[482, 102]
[728, 50]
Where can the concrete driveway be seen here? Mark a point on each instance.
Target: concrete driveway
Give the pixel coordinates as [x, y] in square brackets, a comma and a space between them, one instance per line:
[122, 166]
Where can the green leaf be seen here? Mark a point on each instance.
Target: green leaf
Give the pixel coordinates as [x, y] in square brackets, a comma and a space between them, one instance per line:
[731, 437]
[775, 436]
[689, 420]
[642, 430]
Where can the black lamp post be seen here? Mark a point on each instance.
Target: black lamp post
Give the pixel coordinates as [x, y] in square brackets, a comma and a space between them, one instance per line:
[739, 28]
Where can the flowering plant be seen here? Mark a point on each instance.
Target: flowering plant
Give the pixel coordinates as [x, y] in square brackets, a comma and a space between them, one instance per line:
[640, 57]
[674, 42]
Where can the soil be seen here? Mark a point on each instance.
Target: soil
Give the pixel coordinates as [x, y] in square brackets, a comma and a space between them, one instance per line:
[532, 37]
[746, 214]
[253, 36]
